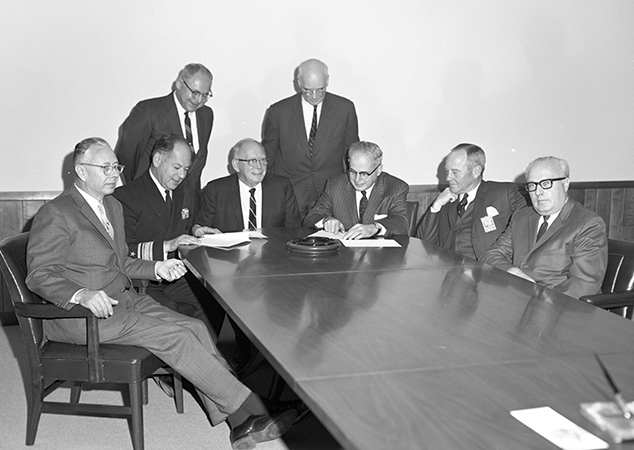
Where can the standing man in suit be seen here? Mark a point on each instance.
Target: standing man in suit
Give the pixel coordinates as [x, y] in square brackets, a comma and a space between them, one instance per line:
[246, 200]
[77, 255]
[557, 243]
[365, 201]
[159, 211]
[470, 214]
[306, 135]
[183, 112]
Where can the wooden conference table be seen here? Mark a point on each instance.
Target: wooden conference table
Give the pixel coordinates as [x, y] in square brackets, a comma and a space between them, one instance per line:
[417, 347]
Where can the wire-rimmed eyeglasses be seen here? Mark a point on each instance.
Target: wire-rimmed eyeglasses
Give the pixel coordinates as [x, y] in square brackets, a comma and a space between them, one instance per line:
[546, 183]
[107, 168]
[253, 162]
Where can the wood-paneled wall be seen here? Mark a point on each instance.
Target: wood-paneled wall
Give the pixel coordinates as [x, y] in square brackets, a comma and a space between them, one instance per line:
[612, 200]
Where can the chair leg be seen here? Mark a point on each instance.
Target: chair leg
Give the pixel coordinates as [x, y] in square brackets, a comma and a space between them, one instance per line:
[178, 392]
[34, 412]
[277, 387]
[75, 392]
[144, 392]
[136, 408]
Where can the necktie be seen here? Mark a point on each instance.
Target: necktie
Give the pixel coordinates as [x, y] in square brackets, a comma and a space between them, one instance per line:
[188, 129]
[104, 220]
[313, 131]
[461, 205]
[252, 220]
[363, 204]
[542, 228]
[168, 200]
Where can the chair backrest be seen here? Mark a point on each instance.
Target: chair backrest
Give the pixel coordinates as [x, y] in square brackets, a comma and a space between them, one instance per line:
[13, 269]
[412, 215]
[619, 276]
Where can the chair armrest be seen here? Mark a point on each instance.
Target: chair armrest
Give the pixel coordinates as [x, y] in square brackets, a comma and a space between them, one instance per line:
[50, 311]
[609, 301]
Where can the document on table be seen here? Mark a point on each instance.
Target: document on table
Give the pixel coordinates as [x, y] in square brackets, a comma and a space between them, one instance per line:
[227, 241]
[557, 429]
[358, 242]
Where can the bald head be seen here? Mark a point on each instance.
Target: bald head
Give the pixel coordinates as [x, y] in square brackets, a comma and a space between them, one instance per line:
[312, 79]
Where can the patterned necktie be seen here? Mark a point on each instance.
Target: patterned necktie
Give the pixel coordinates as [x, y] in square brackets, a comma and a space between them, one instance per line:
[542, 228]
[313, 131]
[252, 220]
[104, 220]
[461, 205]
[188, 129]
[363, 204]
[168, 200]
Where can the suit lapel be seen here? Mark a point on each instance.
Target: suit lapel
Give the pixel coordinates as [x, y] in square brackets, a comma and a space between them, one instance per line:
[479, 206]
[88, 212]
[234, 202]
[350, 203]
[155, 200]
[172, 115]
[297, 113]
[375, 200]
[267, 197]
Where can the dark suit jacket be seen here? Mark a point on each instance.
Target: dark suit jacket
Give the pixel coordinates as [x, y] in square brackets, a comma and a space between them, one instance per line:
[149, 120]
[439, 228]
[286, 144]
[148, 223]
[387, 198]
[570, 258]
[220, 204]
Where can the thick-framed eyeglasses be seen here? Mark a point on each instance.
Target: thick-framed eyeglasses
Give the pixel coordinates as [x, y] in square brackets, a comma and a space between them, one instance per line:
[255, 162]
[198, 94]
[108, 169]
[544, 184]
[364, 175]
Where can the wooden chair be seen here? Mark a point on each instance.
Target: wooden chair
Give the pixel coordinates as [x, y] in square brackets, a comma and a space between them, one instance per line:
[412, 215]
[617, 290]
[52, 364]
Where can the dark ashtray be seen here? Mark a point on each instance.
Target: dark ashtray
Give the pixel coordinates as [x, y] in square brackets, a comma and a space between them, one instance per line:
[314, 245]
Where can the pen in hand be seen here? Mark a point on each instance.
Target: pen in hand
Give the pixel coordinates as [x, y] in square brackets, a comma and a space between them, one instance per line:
[617, 393]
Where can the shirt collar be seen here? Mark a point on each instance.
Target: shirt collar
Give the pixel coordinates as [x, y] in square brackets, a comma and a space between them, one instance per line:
[158, 185]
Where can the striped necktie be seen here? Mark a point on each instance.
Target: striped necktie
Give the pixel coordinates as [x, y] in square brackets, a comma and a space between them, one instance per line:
[253, 224]
[188, 129]
[104, 220]
[313, 131]
[363, 204]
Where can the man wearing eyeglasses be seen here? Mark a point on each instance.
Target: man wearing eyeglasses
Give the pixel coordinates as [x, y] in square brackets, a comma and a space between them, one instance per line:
[248, 199]
[306, 135]
[471, 213]
[77, 255]
[557, 243]
[182, 112]
[363, 202]
[159, 211]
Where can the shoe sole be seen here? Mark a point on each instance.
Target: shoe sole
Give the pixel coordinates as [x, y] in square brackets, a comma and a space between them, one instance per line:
[275, 430]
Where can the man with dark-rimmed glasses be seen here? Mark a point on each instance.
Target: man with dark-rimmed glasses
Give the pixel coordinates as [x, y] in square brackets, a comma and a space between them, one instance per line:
[182, 111]
[557, 243]
[364, 201]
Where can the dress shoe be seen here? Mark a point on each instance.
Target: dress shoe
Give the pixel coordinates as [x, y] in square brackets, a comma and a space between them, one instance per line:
[166, 383]
[280, 406]
[261, 429]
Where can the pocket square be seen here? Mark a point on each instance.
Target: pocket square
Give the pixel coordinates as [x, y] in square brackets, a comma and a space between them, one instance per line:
[380, 216]
[491, 211]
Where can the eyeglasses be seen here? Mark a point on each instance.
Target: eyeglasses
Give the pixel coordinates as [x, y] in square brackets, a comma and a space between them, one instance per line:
[254, 162]
[363, 175]
[108, 169]
[544, 184]
[197, 94]
[313, 91]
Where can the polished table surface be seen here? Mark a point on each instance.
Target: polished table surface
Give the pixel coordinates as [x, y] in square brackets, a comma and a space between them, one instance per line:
[417, 347]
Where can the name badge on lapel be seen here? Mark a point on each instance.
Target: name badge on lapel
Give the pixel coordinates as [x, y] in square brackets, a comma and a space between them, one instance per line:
[184, 213]
[487, 221]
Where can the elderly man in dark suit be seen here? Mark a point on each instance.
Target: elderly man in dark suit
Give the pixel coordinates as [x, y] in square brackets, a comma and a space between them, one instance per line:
[159, 211]
[470, 214]
[557, 243]
[77, 255]
[248, 199]
[364, 201]
[306, 135]
[182, 112]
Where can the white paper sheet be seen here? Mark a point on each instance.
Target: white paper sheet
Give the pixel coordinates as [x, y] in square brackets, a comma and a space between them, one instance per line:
[230, 240]
[358, 242]
[558, 429]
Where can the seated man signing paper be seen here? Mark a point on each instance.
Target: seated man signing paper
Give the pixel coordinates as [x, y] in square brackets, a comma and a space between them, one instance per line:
[364, 201]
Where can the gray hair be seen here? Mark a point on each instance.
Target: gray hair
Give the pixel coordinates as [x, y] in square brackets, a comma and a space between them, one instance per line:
[84, 145]
[475, 155]
[240, 144]
[366, 148]
[192, 69]
[552, 160]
